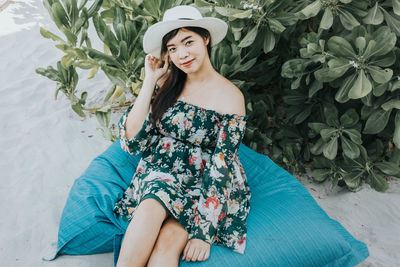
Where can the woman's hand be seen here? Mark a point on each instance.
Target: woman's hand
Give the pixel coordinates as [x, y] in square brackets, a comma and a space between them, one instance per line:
[196, 250]
[153, 67]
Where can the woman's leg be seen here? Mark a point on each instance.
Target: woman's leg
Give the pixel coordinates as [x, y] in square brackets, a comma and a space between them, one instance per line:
[141, 233]
[169, 245]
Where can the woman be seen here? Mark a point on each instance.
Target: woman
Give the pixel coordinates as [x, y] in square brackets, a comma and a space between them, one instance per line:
[189, 190]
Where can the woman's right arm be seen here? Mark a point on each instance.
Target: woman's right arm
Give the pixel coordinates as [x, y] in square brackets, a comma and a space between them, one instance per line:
[140, 109]
[154, 70]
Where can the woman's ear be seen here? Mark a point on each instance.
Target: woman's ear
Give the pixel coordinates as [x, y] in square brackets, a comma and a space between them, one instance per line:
[207, 40]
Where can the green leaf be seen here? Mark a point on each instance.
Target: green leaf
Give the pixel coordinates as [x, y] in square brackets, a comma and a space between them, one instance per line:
[275, 25]
[350, 149]
[50, 73]
[396, 135]
[392, 103]
[385, 61]
[327, 19]
[379, 75]
[320, 175]
[354, 135]
[293, 68]
[49, 35]
[370, 48]
[379, 89]
[341, 47]
[360, 44]
[349, 118]
[269, 41]
[331, 115]
[62, 73]
[317, 126]
[392, 22]
[377, 182]
[325, 75]
[347, 19]
[72, 38]
[115, 75]
[385, 41]
[314, 88]
[78, 110]
[93, 9]
[66, 60]
[318, 147]
[103, 58]
[303, 115]
[390, 168]
[396, 7]
[243, 15]
[352, 179]
[361, 87]
[338, 67]
[377, 121]
[249, 38]
[327, 133]
[59, 15]
[395, 85]
[310, 11]
[330, 149]
[231, 12]
[342, 95]
[375, 15]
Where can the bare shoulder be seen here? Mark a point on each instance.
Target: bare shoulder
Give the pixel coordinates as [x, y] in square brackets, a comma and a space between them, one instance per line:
[232, 99]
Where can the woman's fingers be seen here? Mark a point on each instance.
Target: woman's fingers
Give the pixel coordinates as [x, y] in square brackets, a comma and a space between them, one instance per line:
[190, 253]
[185, 250]
[196, 253]
[202, 255]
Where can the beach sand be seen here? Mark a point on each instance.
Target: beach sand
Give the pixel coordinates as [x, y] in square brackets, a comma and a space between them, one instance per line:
[45, 146]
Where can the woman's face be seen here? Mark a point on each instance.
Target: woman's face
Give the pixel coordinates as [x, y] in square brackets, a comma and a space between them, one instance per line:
[187, 46]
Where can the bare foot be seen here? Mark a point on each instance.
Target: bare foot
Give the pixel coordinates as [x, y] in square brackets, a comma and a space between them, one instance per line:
[196, 250]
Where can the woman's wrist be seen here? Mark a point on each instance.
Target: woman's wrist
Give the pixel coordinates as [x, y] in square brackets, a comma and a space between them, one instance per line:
[150, 80]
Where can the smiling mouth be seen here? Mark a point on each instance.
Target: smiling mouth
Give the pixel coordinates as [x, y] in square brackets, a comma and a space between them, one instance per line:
[187, 63]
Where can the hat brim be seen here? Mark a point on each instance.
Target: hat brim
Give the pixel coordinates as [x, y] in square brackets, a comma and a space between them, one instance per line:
[154, 34]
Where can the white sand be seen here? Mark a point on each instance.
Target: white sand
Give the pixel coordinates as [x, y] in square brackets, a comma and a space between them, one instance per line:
[45, 146]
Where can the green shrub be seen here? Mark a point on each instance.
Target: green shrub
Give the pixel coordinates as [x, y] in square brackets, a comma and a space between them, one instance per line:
[320, 77]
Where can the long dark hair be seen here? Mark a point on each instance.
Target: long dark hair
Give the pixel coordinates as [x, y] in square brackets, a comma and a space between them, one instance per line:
[173, 85]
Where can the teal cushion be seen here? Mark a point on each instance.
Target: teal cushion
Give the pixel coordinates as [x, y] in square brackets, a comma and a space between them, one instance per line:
[285, 227]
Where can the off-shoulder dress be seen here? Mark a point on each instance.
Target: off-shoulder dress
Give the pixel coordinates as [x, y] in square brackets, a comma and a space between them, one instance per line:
[190, 164]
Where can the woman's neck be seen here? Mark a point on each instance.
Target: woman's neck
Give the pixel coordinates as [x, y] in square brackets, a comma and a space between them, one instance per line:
[205, 72]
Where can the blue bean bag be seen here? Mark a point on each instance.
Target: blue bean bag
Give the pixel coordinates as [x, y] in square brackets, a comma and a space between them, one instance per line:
[285, 227]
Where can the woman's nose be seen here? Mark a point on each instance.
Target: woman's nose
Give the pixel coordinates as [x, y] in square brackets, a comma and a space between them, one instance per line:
[182, 52]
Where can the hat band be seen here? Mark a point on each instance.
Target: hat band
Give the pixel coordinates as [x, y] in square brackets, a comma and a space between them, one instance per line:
[185, 19]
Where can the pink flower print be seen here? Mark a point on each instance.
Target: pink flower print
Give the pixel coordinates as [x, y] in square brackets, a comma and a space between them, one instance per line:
[203, 165]
[223, 136]
[166, 145]
[212, 201]
[197, 219]
[221, 216]
[192, 160]
[241, 240]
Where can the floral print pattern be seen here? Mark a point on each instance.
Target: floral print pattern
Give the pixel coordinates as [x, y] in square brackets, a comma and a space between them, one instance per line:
[190, 164]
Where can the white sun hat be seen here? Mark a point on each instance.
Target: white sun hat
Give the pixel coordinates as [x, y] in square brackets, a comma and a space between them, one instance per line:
[177, 17]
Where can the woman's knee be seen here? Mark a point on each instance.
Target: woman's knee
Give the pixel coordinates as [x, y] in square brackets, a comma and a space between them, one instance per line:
[172, 237]
[151, 207]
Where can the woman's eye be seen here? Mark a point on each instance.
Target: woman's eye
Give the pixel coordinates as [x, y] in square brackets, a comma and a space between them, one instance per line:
[189, 41]
[171, 48]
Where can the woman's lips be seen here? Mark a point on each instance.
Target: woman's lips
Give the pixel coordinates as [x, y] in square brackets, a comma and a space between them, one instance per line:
[188, 63]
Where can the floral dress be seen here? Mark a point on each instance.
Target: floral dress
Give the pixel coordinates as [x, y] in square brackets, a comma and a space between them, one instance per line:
[190, 164]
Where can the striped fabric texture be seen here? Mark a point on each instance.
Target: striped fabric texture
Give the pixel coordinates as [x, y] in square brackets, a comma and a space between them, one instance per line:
[285, 227]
